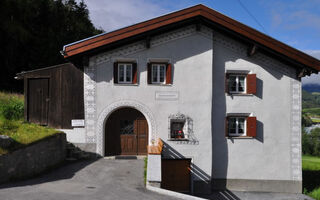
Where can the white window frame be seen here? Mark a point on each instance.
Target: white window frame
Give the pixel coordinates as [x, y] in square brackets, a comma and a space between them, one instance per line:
[158, 73]
[126, 65]
[237, 84]
[237, 134]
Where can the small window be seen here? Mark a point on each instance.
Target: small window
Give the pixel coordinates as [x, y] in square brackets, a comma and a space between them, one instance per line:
[237, 126]
[158, 73]
[241, 125]
[124, 73]
[240, 82]
[180, 127]
[126, 127]
[237, 83]
[177, 129]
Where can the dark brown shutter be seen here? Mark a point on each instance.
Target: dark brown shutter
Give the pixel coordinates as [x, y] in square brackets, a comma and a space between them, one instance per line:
[226, 84]
[115, 72]
[169, 74]
[149, 73]
[252, 126]
[134, 73]
[227, 126]
[251, 84]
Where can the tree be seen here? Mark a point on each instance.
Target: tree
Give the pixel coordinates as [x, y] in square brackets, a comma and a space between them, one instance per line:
[34, 31]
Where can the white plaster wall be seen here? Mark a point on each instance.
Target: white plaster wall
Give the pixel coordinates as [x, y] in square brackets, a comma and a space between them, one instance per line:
[75, 135]
[191, 56]
[199, 65]
[268, 156]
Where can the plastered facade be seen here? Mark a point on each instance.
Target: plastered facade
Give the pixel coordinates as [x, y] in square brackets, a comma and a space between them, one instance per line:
[200, 60]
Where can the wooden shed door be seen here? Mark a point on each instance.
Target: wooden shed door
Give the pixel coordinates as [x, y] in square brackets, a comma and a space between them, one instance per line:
[126, 133]
[38, 96]
[176, 175]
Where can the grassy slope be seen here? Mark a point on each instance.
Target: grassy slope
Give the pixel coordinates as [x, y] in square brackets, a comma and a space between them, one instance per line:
[311, 176]
[21, 132]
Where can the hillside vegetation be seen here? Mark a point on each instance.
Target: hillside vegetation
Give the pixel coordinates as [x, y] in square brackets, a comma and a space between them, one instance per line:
[13, 125]
[311, 176]
[310, 108]
[33, 33]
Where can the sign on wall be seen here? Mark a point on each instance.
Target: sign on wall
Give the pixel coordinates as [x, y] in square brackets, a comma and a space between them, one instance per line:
[77, 122]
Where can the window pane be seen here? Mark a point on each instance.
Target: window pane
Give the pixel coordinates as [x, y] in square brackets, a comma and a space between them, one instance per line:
[128, 74]
[126, 127]
[121, 73]
[154, 73]
[162, 71]
[232, 84]
[177, 129]
[241, 83]
[232, 125]
[241, 125]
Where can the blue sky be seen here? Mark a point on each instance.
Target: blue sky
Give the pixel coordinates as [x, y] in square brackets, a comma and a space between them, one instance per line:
[294, 22]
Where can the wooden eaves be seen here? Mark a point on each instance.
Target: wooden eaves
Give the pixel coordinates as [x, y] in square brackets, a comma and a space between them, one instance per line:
[196, 14]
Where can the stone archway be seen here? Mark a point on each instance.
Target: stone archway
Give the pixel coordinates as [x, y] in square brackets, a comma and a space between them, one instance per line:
[126, 133]
[104, 115]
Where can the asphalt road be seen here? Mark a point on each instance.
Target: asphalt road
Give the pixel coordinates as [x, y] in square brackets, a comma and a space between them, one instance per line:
[87, 180]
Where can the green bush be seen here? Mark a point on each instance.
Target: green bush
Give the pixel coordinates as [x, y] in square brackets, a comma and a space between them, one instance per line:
[13, 109]
[311, 142]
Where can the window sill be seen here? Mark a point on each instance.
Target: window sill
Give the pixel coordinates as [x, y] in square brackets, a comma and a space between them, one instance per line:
[239, 137]
[178, 139]
[126, 84]
[239, 94]
[159, 84]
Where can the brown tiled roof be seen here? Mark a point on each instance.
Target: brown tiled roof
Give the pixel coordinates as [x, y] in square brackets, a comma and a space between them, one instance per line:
[202, 11]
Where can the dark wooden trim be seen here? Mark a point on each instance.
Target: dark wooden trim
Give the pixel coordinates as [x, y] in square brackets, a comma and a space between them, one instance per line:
[251, 126]
[189, 13]
[251, 84]
[169, 73]
[148, 39]
[149, 70]
[252, 50]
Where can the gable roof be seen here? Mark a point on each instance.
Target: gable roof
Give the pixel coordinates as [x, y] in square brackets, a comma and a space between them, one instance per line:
[196, 12]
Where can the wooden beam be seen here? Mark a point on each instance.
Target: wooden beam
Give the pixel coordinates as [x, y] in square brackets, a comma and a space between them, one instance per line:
[148, 39]
[304, 72]
[198, 26]
[252, 50]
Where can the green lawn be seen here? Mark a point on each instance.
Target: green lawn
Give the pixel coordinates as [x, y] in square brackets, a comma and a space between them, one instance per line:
[312, 112]
[315, 120]
[21, 132]
[311, 176]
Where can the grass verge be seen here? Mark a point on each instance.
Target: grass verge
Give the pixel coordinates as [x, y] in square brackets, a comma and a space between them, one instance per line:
[21, 133]
[145, 170]
[311, 176]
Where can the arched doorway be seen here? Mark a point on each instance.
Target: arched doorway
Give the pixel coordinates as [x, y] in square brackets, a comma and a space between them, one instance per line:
[126, 133]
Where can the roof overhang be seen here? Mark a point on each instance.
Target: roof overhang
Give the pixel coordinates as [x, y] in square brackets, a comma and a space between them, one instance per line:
[195, 14]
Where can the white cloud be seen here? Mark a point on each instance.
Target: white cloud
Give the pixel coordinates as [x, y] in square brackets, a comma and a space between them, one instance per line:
[115, 14]
[314, 78]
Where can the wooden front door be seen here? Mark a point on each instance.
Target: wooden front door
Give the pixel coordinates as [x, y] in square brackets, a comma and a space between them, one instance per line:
[176, 175]
[126, 133]
[38, 96]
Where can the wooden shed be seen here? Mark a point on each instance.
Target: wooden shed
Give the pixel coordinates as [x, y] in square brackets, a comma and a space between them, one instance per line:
[53, 95]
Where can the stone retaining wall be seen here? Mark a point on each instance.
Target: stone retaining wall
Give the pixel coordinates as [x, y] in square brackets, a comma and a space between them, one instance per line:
[33, 159]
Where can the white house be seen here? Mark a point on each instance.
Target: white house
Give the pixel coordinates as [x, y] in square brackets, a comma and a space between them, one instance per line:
[224, 98]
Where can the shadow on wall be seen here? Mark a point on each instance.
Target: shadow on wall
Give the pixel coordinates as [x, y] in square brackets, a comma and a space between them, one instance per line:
[199, 179]
[177, 51]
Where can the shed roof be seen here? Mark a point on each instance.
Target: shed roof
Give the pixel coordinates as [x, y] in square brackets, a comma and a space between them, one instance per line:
[196, 12]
